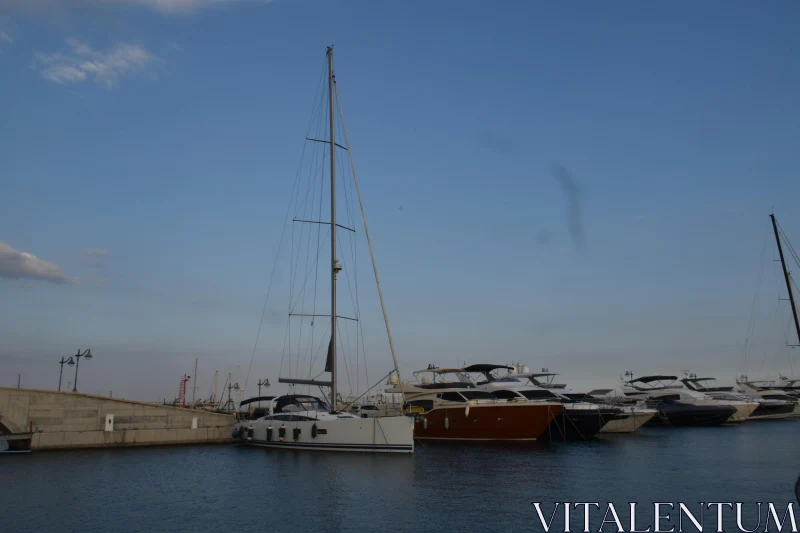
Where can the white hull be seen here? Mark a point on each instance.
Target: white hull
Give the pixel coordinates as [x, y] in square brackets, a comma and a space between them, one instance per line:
[636, 419]
[391, 434]
[743, 411]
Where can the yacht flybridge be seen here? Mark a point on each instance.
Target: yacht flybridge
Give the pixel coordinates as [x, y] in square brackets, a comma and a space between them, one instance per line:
[304, 421]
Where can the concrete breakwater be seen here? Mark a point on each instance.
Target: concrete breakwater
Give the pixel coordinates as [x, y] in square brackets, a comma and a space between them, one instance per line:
[65, 420]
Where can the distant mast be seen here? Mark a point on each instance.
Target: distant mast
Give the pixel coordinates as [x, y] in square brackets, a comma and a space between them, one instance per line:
[787, 278]
[194, 383]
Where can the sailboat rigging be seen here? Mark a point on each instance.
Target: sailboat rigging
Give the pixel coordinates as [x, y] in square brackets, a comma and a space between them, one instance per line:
[784, 391]
[316, 423]
[787, 277]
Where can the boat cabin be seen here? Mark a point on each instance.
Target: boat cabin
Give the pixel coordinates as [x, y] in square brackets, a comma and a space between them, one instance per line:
[704, 384]
[645, 384]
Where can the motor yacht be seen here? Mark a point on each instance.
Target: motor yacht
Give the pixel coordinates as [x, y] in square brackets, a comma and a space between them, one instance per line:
[579, 420]
[456, 410]
[708, 386]
[676, 405]
[774, 404]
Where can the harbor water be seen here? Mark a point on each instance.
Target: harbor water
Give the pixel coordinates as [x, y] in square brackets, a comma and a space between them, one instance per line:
[439, 488]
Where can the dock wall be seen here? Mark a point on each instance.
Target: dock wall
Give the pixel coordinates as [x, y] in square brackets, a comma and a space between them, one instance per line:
[66, 420]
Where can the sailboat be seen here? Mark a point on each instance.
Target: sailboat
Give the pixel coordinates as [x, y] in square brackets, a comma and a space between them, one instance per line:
[308, 422]
[781, 398]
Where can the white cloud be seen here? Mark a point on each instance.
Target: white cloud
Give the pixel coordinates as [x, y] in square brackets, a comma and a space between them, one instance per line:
[18, 265]
[5, 38]
[168, 7]
[82, 62]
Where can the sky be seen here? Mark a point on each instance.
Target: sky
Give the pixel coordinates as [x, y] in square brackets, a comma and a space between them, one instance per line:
[582, 187]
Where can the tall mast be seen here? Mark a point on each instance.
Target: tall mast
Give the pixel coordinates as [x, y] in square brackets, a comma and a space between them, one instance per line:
[334, 263]
[786, 277]
[214, 395]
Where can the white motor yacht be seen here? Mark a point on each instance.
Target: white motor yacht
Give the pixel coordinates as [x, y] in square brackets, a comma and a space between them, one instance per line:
[680, 406]
[774, 404]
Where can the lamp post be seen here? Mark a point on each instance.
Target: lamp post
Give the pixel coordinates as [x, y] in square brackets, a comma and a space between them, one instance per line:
[265, 384]
[76, 362]
[230, 402]
[61, 372]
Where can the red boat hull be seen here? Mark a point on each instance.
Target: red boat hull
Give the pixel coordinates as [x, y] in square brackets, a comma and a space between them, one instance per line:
[504, 422]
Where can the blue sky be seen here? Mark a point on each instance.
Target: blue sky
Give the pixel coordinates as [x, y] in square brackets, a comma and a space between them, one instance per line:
[148, 149]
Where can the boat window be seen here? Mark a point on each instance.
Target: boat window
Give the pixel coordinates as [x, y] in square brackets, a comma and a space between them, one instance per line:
[427, 405]
[538, 394]
[369, 408]
[578, 396]
[505, 394]
[451, 397]
[306, 404]
[668, 397]
[478, 395]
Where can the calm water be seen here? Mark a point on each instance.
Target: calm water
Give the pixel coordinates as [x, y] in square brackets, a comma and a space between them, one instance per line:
[441, 489]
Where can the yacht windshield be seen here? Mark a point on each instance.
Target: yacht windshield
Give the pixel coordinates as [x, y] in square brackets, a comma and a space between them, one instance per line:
[307, 403]
[538, 394]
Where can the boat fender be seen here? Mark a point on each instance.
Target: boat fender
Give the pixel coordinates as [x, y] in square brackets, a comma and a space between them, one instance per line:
[269, 433]
[281, 433]
[314, 431]
[446, 423]
[425, 423]
[236, 432]
[466, 410]
[296, 433]
[250, 433]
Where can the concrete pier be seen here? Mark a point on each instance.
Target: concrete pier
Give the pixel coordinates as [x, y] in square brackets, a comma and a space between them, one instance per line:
[67, 420]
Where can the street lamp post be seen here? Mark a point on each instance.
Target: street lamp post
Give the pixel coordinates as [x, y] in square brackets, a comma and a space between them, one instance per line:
[231, 404]
[61, 372]
[265, 384]
[76, 362]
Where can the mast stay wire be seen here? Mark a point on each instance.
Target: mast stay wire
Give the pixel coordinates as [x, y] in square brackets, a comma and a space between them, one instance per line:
[369, 242]
[751, 326]
[280, 242]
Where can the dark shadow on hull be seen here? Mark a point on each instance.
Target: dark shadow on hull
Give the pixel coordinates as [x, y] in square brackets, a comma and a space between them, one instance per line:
[578, 424]
[680, 414]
